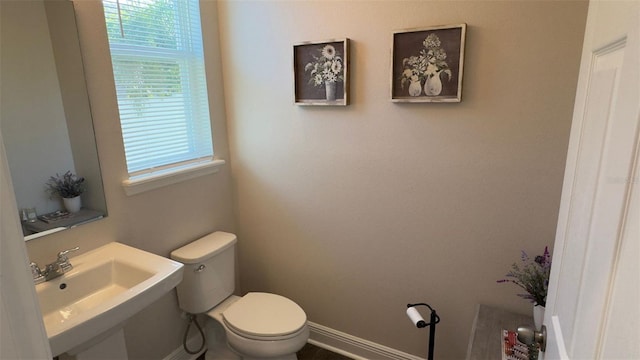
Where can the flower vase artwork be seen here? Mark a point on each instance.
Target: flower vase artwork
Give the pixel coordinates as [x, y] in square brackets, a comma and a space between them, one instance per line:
[326, 70]
[433, 85]
[533, 277]
[330, 90]
[426, 67]
[415, 87]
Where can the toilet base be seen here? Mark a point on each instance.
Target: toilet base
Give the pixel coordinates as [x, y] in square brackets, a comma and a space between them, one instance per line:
[211, 356]
[220, 357]
[219, 349]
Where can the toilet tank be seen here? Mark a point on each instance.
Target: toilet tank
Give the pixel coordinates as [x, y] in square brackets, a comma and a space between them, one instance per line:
[209, 271]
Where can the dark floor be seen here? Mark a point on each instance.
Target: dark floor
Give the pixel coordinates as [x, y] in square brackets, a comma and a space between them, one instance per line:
[312, 352]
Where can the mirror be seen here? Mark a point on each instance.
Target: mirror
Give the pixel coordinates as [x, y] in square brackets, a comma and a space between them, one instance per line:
[45, 117]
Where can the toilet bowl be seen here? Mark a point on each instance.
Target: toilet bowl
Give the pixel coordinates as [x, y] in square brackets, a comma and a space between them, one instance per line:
[268, 338]
[255, 326]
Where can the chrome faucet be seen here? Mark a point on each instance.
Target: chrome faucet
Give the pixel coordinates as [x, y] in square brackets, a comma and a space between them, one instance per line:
[53, 270]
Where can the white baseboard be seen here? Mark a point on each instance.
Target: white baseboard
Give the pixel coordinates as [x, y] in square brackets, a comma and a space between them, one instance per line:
[352, 346]
[193, 342]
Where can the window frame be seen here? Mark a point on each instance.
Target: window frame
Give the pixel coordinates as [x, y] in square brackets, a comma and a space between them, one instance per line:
[171, 172]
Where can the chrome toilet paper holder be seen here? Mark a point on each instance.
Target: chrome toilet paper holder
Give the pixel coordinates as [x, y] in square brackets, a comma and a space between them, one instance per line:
[419, 322]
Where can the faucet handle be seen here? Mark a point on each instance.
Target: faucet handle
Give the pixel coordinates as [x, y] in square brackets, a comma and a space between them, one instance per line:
[36, 273]
[63, 261]
[62, 255]
[35, 270]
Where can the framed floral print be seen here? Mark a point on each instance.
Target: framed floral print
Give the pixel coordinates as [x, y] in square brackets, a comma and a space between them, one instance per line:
[320, 72]
[427, 64]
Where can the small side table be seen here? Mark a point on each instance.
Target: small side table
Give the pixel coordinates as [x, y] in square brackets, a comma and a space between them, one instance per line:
[486, 333]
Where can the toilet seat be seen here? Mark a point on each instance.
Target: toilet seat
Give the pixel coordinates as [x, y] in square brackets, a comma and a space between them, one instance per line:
[265, 316]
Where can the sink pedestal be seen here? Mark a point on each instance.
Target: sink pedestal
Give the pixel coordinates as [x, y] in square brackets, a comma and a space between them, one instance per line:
[113, 347]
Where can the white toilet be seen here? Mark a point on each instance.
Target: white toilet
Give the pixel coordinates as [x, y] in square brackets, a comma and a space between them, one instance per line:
[255, 326]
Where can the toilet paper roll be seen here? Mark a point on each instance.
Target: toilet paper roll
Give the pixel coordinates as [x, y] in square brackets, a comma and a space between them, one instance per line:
[415, 317]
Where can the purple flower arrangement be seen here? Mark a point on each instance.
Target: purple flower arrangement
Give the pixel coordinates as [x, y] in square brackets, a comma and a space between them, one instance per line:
[532, 276]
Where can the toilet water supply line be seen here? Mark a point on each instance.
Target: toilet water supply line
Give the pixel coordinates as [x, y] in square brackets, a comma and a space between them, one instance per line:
[419, 322]
[192, 319]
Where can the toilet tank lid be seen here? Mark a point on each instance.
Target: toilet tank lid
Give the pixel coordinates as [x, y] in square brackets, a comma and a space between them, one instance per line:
[204, 248]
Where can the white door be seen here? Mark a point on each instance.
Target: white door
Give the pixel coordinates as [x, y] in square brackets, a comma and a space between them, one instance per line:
[593, 305]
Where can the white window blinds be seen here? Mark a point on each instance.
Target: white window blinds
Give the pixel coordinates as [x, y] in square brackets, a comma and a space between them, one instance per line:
[158, 65]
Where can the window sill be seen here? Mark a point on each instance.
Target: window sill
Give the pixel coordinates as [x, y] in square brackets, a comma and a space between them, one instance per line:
[143, 183]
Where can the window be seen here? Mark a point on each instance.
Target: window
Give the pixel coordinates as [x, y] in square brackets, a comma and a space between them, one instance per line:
[158, 65]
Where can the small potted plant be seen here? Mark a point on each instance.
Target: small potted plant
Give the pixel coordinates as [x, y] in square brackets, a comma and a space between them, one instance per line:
[69, 187]
[533, 277]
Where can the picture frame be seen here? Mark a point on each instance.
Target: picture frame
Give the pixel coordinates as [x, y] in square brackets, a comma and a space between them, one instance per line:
[427, 64]
[321, 72]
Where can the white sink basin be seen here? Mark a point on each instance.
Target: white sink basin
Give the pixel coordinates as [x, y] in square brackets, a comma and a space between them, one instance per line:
[105, 287]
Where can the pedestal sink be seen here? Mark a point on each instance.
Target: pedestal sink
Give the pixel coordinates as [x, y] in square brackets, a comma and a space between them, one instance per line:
[106, 286]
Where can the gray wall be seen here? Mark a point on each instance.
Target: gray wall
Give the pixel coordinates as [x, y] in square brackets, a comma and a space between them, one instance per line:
[355, 211]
